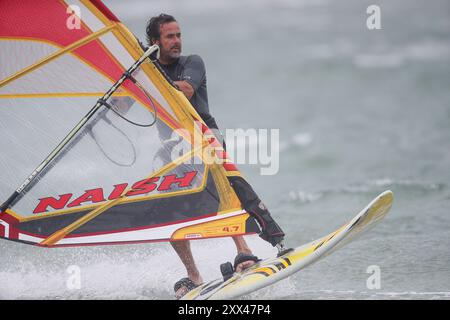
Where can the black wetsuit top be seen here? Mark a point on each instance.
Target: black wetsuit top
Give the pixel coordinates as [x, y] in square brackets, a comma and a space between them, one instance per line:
[192, 70]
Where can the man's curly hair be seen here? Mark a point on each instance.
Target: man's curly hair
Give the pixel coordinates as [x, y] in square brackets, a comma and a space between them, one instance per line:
[154, 25]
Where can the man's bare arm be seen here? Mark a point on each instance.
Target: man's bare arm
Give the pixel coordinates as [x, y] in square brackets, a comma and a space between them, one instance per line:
[186, 88]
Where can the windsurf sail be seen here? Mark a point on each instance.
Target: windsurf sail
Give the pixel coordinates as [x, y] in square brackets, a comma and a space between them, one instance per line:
[142, 167]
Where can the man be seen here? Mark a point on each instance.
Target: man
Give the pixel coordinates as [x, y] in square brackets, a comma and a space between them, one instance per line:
[189, 75]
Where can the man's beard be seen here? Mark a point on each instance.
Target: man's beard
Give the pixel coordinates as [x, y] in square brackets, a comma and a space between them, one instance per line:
[173, 55]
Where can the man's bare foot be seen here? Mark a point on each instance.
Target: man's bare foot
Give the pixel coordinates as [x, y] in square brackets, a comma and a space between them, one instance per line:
[244, 265]
[244, 260]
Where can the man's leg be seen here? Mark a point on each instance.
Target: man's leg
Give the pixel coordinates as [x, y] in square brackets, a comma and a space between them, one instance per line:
[183, 249]
[271, 231]
[241, 245]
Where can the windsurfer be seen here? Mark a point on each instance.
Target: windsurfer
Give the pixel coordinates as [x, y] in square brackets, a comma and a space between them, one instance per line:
[189, 75]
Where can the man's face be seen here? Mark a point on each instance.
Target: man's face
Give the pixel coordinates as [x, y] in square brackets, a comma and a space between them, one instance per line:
[169, 41]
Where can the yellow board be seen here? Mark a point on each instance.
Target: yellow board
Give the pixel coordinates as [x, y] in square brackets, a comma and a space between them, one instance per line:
[272, 270]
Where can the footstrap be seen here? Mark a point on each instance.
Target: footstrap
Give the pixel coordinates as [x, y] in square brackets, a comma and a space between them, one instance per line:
[185, 282]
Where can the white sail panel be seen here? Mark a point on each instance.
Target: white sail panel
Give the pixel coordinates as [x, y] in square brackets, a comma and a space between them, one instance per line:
[12, 59]
[65, 74]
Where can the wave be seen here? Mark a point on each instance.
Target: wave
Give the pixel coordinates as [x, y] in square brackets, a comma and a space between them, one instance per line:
[415, 52]
[379, 61]
[370, 186]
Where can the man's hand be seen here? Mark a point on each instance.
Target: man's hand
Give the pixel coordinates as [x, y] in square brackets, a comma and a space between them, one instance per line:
[186, 88]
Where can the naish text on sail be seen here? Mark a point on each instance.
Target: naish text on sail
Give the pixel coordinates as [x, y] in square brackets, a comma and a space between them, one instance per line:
[97, 195]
